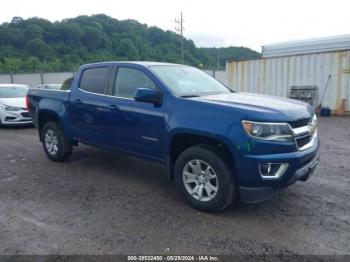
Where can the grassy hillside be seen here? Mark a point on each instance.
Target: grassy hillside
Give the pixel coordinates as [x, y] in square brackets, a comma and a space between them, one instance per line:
[36, 44]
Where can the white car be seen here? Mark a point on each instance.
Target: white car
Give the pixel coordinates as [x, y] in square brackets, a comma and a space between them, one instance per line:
[13, 109]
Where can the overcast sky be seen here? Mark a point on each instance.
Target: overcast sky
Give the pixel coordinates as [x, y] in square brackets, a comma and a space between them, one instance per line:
[208, 22]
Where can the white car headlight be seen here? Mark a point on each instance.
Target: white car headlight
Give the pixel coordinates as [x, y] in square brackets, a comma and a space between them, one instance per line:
[10, 108]
[269, 131]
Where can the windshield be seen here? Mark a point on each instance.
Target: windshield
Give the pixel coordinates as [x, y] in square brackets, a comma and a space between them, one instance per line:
[188, 81]
[13, 91]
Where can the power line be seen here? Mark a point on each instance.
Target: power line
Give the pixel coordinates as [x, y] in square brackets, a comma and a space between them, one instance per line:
[180, 29]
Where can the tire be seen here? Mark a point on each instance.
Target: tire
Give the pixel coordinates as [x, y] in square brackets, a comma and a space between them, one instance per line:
[203, 156]
[58, 148]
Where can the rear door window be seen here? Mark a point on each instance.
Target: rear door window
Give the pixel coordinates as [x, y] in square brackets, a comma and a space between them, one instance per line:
[94, 80]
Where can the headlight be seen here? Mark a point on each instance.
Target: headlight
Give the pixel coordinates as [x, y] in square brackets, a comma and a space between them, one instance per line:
[10, 108]
[269, 131]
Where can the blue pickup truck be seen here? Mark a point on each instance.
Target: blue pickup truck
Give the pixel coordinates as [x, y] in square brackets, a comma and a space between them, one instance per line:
[218, 145]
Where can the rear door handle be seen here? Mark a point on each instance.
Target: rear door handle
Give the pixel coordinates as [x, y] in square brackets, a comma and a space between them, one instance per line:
[78, 101]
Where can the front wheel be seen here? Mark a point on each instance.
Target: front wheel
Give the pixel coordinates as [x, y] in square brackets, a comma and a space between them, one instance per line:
[56, 146]
[204, 178]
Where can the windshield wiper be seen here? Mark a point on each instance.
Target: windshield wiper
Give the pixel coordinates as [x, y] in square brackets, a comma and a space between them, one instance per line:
[189, 96]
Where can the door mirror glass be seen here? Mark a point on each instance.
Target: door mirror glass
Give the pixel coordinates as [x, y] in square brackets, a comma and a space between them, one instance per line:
[148, 95]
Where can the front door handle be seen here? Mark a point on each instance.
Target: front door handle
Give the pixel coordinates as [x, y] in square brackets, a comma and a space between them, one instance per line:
[101, 108]
[78, 101]
[113, 107]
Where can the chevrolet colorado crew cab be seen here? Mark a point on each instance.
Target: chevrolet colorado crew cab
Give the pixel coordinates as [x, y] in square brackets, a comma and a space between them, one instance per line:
[219, 146]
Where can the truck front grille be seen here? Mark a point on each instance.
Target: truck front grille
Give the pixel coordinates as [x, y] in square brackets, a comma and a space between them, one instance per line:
[300, 123]
[303, 140]
[304, 131]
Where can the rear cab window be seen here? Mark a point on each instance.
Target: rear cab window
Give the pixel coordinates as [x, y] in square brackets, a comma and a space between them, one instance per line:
[94, 80]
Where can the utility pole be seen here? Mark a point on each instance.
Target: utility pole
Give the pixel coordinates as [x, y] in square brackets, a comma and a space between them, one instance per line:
[180, 29]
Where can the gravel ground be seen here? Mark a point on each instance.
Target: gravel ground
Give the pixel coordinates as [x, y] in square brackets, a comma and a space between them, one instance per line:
[102, 202]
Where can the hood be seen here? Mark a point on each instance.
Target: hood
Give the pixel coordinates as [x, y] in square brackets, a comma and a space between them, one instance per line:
[16, 102]
[266, 105]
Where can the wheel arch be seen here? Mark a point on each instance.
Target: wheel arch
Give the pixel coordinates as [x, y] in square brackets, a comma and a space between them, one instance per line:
[180, 141]
[45, 116]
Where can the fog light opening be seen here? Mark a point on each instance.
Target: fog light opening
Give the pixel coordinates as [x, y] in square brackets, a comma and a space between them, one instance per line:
[272, 170]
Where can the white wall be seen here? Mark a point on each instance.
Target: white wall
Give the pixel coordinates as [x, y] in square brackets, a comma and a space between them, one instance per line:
[27, 79]
[56, 78]
[33, 80]
[5, 79]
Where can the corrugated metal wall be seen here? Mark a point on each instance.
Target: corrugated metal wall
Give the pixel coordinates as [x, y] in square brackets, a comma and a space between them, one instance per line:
[307, 46]
[274, 76]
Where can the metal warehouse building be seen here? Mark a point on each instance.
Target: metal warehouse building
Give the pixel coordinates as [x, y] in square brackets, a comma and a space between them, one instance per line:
[309, 63]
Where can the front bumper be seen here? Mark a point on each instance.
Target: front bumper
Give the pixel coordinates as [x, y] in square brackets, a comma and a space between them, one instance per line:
[11, 118]
[254, 188]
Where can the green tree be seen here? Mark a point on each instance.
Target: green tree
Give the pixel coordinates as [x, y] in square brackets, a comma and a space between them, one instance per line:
[12, 65]
[128, 50]
[63, 46]
[33, 31]
[16, 20]
[39, 48]
[32, 64]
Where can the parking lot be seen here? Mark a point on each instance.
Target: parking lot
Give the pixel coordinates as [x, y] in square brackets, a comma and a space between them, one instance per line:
[103, 202]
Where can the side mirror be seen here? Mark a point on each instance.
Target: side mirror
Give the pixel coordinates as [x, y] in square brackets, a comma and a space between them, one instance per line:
[148, 95]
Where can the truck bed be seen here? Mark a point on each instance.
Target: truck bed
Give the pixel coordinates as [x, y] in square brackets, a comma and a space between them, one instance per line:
[47, 99]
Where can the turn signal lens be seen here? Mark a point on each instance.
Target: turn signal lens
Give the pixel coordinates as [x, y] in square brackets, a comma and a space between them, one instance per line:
[248, 126]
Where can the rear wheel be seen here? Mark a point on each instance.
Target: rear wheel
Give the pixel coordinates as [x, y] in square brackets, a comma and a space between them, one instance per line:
[56, 146]
[204, 178]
